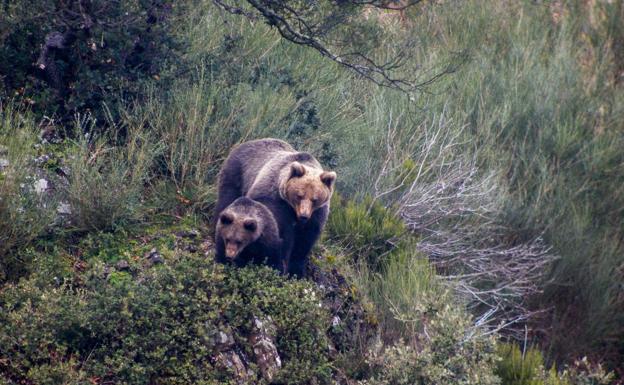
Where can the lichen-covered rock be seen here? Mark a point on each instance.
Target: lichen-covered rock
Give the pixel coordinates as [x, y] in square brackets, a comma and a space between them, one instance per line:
[222, 340]
[190, 233]
[122, 265]
[64, 208]
[154, 257]
[231, 361]
[41, 185]
[266, 356]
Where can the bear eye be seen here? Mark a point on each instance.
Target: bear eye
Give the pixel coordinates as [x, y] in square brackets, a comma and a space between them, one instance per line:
[250, 226]
[226, 220]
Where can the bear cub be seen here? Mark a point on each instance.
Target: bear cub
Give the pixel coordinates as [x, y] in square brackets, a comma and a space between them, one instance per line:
[246, 232]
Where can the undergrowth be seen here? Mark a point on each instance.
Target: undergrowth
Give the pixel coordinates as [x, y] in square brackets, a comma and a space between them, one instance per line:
[534, 117]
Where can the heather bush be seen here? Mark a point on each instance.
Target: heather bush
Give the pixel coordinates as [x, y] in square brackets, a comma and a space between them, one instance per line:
[158, 327]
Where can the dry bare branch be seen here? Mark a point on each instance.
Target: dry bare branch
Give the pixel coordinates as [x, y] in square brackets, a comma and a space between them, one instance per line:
[324, 26]
[457, 210]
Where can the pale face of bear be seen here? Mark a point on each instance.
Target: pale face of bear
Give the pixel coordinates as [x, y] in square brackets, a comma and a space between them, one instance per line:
[308, 189]
[237, 231]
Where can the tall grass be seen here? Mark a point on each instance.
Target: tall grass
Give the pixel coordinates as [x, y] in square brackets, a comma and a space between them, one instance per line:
[541, 103]
[537, 108]
[25, 213]
[108, 179]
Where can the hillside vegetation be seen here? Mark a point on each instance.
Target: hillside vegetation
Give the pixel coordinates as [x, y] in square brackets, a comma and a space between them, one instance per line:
[477, 235]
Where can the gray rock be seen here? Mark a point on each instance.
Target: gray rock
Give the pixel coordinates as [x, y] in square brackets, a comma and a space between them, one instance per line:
[232, 361]
[221, 340]
[63, 171]
[42, 159]
[4, 163]
[265, 353]
[122, 265]
[64, 208]
[41, 186]
[192, 234]
[154, 257]
[207, 247]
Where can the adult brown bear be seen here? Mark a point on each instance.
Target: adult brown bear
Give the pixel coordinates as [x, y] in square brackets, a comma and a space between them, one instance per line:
[291, 184]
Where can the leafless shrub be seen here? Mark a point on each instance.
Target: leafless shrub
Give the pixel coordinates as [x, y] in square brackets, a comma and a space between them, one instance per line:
[457, 210]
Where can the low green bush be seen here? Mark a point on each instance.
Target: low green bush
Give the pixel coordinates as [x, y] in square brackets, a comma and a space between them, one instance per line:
[403, 292]
[528, 368]
[447, 351]
[516, 368]
[158, 326]
[367, 230]
[426, 336]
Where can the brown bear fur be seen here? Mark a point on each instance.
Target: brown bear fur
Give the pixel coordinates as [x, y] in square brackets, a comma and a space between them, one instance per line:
[291, 184]
[246, 232]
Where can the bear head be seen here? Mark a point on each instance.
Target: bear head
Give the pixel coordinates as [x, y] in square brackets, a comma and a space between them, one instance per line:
[238, 229]
[306, 189]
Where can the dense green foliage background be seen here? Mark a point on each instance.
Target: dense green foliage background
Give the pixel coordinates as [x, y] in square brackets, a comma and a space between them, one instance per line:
[535, 115]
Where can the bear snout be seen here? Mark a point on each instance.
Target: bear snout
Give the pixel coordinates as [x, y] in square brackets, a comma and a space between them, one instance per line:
[231, 249]
[304, 211]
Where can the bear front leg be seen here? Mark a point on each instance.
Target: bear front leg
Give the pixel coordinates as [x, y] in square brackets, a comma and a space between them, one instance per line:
[306, 236]
[285, 218]
[273, 255]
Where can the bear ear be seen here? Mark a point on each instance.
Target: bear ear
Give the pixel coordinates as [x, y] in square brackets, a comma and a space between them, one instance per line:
[296, 170]
[328, 177]
[250, 224]
[226, 218]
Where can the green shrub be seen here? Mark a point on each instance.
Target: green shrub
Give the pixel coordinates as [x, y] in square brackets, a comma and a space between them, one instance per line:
[425, 337]
[403, 291]
[518, 369]
[158, 327]
[528, 368]
[367, 230]
[104, 51]
[446, 352]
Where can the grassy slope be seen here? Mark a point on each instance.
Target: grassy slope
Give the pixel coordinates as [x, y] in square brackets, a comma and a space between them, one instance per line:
[536, 103]
[541, 103]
